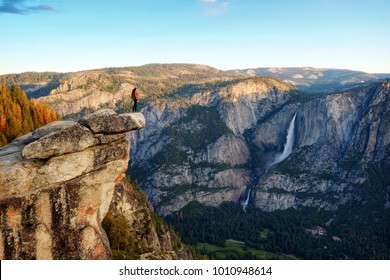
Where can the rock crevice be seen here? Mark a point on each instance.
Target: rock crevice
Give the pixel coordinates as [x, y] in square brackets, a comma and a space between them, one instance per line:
[56, 186]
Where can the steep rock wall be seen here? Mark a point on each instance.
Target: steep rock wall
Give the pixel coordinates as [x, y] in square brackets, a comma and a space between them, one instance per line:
[148, 236]
[56, 186]
[194, 147]
[339, 137]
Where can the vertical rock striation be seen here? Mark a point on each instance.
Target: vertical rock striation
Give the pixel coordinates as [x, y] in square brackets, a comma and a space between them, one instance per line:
[56, 186]
[149, 237]
[339, 139]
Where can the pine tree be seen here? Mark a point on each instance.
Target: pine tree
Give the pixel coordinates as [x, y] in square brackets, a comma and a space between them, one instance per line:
[19, 116]
[3, 120]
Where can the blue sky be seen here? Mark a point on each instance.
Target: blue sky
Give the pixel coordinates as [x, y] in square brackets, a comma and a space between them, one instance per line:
[72, 35]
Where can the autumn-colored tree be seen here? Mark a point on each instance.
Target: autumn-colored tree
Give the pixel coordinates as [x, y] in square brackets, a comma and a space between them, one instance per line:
[117, 230]
[19, 116]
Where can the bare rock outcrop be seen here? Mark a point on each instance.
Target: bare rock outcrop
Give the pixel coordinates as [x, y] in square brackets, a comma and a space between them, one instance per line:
[148, 237]
[56, 186]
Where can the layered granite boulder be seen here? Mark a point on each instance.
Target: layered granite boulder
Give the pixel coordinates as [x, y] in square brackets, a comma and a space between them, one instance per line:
[56, 186]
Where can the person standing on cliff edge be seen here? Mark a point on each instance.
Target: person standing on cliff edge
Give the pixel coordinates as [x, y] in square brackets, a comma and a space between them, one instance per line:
[134, 96]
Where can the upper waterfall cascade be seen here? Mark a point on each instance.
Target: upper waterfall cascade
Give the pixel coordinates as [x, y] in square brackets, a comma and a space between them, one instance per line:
[287, 150]
[288, 146]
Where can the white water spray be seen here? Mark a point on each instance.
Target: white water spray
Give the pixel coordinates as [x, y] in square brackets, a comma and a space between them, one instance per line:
[289, 142]
[246, 202]
[287, 150]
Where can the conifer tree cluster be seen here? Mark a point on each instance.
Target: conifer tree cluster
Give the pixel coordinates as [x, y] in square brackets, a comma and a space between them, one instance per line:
[19, 115]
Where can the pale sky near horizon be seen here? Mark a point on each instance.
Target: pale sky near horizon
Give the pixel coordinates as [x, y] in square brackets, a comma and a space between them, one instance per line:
[73, 35]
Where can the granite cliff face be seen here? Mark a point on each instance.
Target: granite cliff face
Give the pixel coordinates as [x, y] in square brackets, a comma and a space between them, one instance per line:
[195, 148]
[70, 98]
[149, 237]
[75, 94]
[339, 140]
[56, 186]
[214, 146]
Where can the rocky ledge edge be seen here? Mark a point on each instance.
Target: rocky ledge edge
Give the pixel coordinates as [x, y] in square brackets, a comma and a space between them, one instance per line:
[57, 183]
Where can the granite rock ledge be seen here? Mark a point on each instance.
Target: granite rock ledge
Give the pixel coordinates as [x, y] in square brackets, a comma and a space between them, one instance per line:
[57, 183]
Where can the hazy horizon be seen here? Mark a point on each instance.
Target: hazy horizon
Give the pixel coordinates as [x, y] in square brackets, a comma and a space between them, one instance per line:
[168, 63]
[72, 36]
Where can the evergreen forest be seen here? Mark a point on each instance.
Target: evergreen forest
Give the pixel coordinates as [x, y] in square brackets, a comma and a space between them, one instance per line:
[20, 115]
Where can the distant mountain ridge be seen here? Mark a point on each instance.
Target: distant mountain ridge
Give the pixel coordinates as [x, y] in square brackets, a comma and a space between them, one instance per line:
[316, 79]
[157, 79]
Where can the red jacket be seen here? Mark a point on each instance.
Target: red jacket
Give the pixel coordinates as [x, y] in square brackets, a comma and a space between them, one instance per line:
[134, 95]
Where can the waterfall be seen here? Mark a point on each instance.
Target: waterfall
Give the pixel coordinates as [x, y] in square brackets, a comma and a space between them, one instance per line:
[287, 150]
[289, 142]
[245, 203]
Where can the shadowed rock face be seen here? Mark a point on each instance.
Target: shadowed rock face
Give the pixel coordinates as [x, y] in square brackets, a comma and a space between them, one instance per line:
[150, 238]
[339, 137]
[215, 145]
[56, 186]
[196, 149]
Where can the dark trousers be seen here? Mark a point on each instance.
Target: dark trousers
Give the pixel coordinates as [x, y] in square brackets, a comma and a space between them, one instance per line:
[135, 105]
